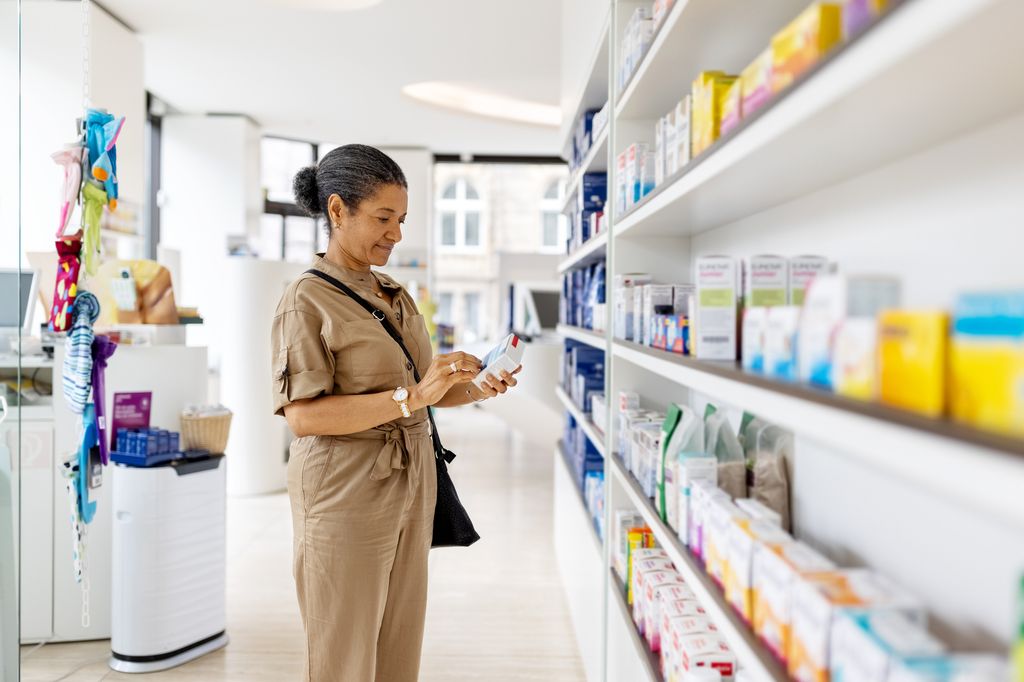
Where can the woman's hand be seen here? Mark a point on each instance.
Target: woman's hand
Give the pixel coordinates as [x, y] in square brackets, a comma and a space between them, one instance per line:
[493, 386]
[440, 378]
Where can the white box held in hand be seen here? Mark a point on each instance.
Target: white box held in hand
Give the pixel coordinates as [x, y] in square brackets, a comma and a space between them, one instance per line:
[507, 355]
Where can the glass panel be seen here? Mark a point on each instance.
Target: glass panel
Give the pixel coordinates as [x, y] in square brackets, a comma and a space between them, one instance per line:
[472, 319]
[553, 191]
[444, 308]
[550, 237]
[473, 228]
[471, 192]
[299, 239]
[280, 160]
[448, 229]
[449, 191]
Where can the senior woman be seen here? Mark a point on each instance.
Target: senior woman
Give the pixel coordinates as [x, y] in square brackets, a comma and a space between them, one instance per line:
[361, 476]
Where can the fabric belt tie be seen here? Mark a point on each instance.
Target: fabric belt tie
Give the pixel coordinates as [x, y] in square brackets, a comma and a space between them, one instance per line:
[398, 443]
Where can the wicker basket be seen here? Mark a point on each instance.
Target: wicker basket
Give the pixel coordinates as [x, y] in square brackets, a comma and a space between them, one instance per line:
[205, 433]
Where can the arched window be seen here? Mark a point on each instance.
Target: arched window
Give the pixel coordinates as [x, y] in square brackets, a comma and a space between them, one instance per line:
[553, 227]
[460, 211]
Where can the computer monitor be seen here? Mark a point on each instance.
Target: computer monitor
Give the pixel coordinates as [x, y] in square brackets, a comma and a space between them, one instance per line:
[17, 301]
[534, 307]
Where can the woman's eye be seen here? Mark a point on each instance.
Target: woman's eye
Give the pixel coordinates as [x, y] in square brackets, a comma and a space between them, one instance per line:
[383, 221]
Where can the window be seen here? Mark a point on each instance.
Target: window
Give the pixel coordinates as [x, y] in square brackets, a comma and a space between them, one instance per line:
[553, 228]
[444, 308]
[460, 208]
[472, 331]
[280, 160]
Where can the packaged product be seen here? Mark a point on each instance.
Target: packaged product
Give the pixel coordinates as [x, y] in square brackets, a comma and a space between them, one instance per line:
[743, 536]
[667, 468]
[951, 668]
[701, 494]
[669, 152]
[987, 361]
[912, 357]
[643, 603]
[721, 514]
[756, 83]
[830, 300]
[721, 442]
[759, 512]
[855, 365]
[660, 11]
[673, 631]
[719, 284]
[638, 313]
[624, 520]
[707, 99]
[656, 624]
[802, 43]
[639, 566]
[629, 400]
[755, 323]
[767, 448]
[819, 599]
[707, 650]
[683, 134]
[867, 646]
[677, 334]
[780, 342]
[775, 570]
[620, 184]
[624, 303]
[640, 548]
[858, 14]
[647, 172]
[732, 107]
[636, 158]
[599, 411]
[767, 281]
[654, 296]
[692, 466]
[683, 299]
[802, 270]
[647, 456]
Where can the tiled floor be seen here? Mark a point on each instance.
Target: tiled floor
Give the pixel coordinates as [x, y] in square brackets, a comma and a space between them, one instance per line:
[497, 612]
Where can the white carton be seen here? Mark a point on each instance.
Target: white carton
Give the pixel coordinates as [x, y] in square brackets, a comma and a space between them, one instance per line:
[620, 184]
[673, 632]
[701, 494]
[868, 646]
[640, 566]
[682, 135]
[690, 468]
[767, 281]
[780, 347]
[718, 287]
[755, 325]
[803, 269]
[758, 511]
[638, 313]
[671, 155]
[654, 296]
[707, 650]
[743, 537]
[625, 303]
[660, 590]
[507, 355]
[722, 513]
[659, 151]
[624, 520]
[643, 602]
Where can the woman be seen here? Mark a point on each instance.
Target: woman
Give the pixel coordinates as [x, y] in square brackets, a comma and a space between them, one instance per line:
[361, 476]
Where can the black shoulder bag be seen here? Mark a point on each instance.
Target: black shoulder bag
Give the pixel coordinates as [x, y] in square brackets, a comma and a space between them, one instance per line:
[452, 525]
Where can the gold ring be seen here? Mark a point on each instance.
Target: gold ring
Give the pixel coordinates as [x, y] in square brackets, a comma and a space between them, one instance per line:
[454, 367]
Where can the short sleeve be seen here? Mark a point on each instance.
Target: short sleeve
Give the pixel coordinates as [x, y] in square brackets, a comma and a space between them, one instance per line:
[303, 367]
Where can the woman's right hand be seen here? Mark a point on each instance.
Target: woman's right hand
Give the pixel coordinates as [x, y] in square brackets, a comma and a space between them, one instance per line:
[440, 378]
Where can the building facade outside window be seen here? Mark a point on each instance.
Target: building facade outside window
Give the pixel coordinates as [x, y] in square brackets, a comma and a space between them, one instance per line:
[459, 210]
[553, 222]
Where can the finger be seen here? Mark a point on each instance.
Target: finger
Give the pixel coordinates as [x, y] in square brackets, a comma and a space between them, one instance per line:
[498, 385]
[508, 378]
[518, 369]
[456, 378]
[488, 390]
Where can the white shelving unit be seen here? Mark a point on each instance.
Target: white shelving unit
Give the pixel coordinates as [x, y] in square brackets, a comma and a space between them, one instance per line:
[595, 436]
[595, 161]
[901, 152]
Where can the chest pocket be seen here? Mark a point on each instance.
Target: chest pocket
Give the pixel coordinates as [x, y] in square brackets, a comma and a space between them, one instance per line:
[368, 352]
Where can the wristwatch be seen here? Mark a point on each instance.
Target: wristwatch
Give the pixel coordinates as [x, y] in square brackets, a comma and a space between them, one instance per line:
[401, 396]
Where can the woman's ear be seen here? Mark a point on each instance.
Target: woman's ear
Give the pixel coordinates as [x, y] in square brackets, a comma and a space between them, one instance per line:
[336, 210]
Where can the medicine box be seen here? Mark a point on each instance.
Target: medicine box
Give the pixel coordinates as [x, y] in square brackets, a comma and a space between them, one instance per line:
[802, 43]
[643, 604]
[775, 570]
[638, 569]
[756, 83]
[624, 520]
[912, 360]
[767, 281]
[780, 342]
[707, 650]
[755, 325]
[691, 467]
[802, 270]
[987, 361]
[683, 135]
[867, 646]
[672, 633]
[654, 297]
[819, 599]
[620, 184]
[732, 107]
[655, 626]
[702, 492]
[951, 668]
[660, 150]
[743, 537]
[855, 358]
[719, 283]
[647, 172]
[708, 95]
[721, 514]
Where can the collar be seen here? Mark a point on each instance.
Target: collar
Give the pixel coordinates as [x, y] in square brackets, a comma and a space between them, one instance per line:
[354, 278]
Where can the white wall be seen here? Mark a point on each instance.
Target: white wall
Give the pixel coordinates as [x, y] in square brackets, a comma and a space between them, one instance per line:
[581, 24]
[8, 135]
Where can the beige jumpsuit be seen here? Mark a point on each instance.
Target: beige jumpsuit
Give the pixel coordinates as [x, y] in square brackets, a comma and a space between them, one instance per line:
[362, 504]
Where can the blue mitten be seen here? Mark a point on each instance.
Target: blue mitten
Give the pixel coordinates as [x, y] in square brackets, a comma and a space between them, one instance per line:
[101, 133]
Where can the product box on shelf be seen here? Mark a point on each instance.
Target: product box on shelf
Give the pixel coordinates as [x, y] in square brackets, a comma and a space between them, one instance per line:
[780, 342]
[643, 602]
[691, 468]
[707, 650]
[855, 358]
[673, 631]
[755, 327]
[719, 283]
[638, 35]
[582, 137]
[756, 83]
[599, 411]
[818, 600]
[759, 511]
[702, 492]
[656, 299]
[867, 646]
[951, 668]
[644, 562]
[660, 150]
[645, 455]
[912, 360]
[775, 571]
[592, 191]
[660, 11]
[802, 43]
[802, 271]
[830, 300]
[639, 173]
[707, 99]
[640, 546]
[722, 514]
[767, 281]
[624, 521]
[681, 137]
[660, 596]
[599, 122]
[858, 14]
[648, 177]
[732, 107]
[742, 538]
[620, 184]
[987, 361]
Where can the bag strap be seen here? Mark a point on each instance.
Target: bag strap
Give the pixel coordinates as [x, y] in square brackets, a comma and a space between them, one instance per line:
[381, 317]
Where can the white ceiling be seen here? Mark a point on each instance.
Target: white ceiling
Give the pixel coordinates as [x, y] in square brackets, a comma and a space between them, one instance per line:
[337, 76]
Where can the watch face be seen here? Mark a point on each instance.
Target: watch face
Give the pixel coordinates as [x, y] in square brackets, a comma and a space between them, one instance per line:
[401, 394]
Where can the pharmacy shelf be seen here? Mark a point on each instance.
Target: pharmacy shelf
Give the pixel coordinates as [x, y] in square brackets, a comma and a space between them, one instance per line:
[595, 161]
[593, 250]
[591, 338]
[594, 91]
[698, 35]
[648, 662]
[881, 86]
[562, 455]
[982, 469]
[750, 654]
[595, 436]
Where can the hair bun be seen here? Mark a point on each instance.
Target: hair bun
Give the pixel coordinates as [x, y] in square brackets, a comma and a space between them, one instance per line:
[307, 194]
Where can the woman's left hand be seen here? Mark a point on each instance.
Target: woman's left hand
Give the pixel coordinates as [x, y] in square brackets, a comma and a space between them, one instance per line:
[494, 386]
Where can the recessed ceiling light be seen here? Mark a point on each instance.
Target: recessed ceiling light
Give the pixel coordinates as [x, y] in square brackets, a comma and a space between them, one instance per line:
[473, 101]
[327, 5]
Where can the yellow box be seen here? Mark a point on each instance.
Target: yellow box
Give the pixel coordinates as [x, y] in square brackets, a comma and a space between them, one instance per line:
[987, 361]
[912, 360]
[744, 539]
[804, 42]
[708, 97]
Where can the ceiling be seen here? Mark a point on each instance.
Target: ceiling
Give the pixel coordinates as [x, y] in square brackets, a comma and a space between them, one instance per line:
[332, 76]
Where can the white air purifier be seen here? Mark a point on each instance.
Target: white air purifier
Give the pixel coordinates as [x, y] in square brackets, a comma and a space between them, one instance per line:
[168, 573]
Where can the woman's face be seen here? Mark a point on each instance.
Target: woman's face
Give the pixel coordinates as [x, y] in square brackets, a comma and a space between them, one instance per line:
[368, 234]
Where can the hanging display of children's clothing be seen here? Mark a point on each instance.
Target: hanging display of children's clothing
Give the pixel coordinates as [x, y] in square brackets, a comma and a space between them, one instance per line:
[102, 349]
[77, 370]
[65, 289]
